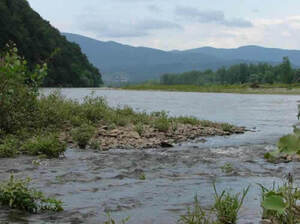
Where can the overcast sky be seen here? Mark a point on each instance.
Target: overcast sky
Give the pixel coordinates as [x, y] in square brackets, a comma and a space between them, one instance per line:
[178, 24]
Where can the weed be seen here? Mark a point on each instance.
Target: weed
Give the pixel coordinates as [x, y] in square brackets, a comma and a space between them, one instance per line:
[281, 204]
[227, 168]
[142, 176]
[196, 215]
[95, 144]
[227, 205]
[83, 134]
[226, 127]
[139, 128]
[16, 194]
[110, 220]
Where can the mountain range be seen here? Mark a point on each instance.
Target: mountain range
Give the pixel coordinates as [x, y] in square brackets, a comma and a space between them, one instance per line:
[121, 63]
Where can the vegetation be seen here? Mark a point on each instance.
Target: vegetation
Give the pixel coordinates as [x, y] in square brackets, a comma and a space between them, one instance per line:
[225, 208]
[42, 125]
[16, 194]
[83, 134]
[281, 204]
[39, 42]
[237, 74]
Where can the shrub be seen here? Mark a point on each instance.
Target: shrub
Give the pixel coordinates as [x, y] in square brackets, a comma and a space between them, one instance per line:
[83, 134]
[226, 127]
[139, 128]
[48, 145]
[95, 144]
[8, 147]
[16, 194]
[18, 91]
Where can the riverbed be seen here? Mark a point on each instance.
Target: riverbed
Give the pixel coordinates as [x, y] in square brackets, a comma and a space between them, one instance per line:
[93, 183]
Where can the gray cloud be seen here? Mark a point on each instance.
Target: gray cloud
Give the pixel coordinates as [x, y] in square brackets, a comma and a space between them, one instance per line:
[118, 29]
[212, 16]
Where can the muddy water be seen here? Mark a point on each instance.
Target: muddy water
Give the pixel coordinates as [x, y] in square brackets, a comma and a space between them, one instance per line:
[93, 183]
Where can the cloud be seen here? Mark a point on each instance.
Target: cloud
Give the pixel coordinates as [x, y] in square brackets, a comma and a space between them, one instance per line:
[211, 16]
[118, 29]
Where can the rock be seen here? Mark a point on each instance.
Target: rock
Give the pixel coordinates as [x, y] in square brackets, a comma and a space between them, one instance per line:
[202, 140]
[165, 144]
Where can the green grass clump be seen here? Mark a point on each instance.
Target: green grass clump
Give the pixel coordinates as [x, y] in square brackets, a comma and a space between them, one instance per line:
[16, 194]
[46, 145]
[110, 220]
[225, 209]
[188, 120]
[195, 215]
[228, 205]
[227, 168]
[95, 144]
[83, 134]
[227, 127]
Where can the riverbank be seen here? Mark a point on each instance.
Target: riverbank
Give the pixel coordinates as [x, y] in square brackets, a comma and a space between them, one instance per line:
[293, 89]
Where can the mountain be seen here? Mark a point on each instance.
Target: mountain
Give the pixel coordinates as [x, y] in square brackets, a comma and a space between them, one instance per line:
[120, 62]
[39, 42]
[137, 64]
[250, 53]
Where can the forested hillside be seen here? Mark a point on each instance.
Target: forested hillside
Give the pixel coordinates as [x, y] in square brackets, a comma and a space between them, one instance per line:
[39, 42]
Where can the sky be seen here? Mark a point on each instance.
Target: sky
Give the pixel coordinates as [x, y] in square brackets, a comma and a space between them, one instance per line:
[178, 24]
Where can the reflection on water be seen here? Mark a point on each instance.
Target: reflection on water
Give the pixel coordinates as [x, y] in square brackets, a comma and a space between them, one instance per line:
[93, 183]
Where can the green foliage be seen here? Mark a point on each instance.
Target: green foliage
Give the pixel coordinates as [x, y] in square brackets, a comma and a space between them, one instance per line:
[48, 145]
[110, 220]
[83, 134]
[227, 168]
[16, 194]
[281, 204]
[195, 215]
[9, 147]
[227, 205]
[38, 41]
[188, 120]
[95, 144]
[18, 91]
[139, 128]
[227, 127]
[236, 74]
[161, 121]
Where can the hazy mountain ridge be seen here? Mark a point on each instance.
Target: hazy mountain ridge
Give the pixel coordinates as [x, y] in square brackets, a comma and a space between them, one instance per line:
[141, 63]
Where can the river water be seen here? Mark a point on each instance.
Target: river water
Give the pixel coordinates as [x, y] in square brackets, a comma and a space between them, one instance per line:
[93, 183]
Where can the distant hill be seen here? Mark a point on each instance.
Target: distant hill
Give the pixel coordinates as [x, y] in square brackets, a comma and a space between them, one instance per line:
[39, 42]
[140, 63]
[250, 53]
[135, 64]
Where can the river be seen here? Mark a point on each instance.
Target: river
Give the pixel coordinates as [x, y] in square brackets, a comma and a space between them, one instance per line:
[93, 183]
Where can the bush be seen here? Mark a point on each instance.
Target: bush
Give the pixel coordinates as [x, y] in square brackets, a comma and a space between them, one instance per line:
[48, 145]
[95, 144]
[83, 134]
[16, 194]
[8, 147]
[188, 120]
[18, 91]
[139, 128]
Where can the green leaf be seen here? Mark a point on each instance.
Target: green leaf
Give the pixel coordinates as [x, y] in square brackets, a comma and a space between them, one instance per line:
[275, 202]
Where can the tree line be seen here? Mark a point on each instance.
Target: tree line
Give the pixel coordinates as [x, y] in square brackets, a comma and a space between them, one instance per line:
[237, 74]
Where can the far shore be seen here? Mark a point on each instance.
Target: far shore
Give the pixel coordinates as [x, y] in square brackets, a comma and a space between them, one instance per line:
[238, 89]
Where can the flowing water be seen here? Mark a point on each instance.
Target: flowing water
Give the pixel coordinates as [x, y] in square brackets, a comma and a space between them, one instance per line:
[93, 183]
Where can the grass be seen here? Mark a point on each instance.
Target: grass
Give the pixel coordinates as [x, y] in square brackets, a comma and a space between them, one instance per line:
[225, 209]
[16, 194]
[242, 88]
